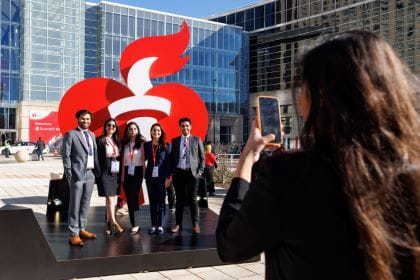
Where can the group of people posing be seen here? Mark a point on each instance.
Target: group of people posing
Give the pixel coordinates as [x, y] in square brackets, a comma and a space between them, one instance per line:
[119, 165]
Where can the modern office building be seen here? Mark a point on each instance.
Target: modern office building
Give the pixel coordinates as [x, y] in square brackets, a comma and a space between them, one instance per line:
[9, 69]
[48, 46]
[279, 29]
[217, 69]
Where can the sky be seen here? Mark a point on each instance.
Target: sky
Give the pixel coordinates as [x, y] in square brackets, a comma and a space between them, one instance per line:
[191, 8]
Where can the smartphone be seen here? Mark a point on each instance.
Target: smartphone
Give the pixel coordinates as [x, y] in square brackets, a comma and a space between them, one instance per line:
[268, 118]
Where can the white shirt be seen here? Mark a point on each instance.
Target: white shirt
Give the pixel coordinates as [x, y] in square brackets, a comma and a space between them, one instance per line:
[182, 163]
[111, 148]
[132, 156]
[90, 160]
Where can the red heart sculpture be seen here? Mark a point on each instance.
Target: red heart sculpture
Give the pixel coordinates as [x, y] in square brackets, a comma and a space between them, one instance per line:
[97, 94]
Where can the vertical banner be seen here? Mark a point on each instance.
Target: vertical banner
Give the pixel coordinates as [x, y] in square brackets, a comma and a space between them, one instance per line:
[44, 124]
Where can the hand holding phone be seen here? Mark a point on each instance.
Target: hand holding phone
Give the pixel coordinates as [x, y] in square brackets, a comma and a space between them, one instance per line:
[268, 118]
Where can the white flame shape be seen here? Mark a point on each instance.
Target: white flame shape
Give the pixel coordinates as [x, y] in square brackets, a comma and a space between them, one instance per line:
[138, 81]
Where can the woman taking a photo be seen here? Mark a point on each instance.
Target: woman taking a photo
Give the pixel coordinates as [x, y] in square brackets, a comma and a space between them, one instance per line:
[157, 154]
[132, 176]
[109, 160]
[347, 207]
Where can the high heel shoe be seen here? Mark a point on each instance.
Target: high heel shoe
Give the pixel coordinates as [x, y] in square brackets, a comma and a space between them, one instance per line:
[118, 228]
[108, 228]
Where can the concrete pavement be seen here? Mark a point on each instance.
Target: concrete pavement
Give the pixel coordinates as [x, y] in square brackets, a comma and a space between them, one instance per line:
[26, 185]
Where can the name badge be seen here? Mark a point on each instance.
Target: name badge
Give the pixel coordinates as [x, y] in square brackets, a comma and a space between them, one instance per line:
[90, 163]
[115, 166]
[131, 169]
[183, 163]
[155, 172]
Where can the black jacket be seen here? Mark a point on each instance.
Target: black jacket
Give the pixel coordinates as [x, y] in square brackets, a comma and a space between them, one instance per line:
[296, 212]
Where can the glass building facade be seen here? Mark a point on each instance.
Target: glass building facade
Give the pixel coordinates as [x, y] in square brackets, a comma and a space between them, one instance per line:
[52, 56]
[9, 69]
[216, 70]
[279, 29]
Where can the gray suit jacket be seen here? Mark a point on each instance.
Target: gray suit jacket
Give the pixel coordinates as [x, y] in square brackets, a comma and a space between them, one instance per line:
[75, 154]
[196, 155]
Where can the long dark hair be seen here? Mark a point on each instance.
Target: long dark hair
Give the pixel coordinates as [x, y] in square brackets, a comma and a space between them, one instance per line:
[363, 116]
[115, 135]
[162, 139]
[139, 137]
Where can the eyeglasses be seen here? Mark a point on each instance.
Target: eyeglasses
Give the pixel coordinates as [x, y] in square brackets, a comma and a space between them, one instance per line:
[111, 125]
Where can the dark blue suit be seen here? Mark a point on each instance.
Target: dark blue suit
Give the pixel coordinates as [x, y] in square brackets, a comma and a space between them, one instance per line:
[156, 185]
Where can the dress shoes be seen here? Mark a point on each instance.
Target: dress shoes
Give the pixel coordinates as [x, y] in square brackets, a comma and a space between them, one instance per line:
[196, 229]
[86, 234]
[75, 241]
[176, 228]
[134, 230]
[160, 230]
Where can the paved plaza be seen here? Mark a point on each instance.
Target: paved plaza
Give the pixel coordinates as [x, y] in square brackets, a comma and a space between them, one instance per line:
[26, 185]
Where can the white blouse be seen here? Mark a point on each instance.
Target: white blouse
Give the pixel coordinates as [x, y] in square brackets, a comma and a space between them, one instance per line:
[132, 157]
[111, 148]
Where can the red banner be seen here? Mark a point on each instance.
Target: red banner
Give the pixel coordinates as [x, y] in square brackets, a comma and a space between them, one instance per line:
[44, 124]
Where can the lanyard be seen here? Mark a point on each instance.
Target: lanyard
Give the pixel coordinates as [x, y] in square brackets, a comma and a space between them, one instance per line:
[131, 152]
[155, 149]
[110, 141]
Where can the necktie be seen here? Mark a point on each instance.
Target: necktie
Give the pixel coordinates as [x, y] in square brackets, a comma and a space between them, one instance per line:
[88, 142]
[186, 151]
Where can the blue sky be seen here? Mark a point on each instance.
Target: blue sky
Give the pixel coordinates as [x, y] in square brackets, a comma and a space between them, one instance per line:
[191, 8]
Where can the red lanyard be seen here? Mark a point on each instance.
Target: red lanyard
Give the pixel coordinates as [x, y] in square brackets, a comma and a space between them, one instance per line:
[131, 152]
[155, 149]
[110, 141]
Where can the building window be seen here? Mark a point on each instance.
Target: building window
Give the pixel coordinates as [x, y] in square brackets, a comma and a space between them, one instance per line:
[225, 134]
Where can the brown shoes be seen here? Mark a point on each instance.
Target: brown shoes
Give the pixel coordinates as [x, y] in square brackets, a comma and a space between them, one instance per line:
[75, 241]
[86, 234]
[196, 229]
[176, 228]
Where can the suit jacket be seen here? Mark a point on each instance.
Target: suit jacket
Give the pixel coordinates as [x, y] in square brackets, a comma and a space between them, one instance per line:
[104, 163]
[163, 161]
[75, 155]
[196, 154]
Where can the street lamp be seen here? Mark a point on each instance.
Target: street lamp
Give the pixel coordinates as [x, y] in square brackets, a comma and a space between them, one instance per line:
[214, 114]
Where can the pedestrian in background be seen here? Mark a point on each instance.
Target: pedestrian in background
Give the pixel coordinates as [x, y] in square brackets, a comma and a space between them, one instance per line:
[210, 165]
[40, 146]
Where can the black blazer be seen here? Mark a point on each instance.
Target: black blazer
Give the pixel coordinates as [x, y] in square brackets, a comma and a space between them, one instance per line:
[296, 212]
[163, 157]
[196, 155]
[104, 162]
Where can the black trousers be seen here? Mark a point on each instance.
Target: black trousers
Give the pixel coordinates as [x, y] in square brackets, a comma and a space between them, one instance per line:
[132, 187]
[171, 196]
[186, 186]
[208, 175]
[156, 191]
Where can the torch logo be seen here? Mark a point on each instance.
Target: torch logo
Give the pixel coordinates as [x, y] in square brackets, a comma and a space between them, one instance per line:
[137, 99]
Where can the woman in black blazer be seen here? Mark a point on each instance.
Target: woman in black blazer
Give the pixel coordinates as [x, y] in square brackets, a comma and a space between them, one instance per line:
[347, 207]
[157, 154]
[108, 183]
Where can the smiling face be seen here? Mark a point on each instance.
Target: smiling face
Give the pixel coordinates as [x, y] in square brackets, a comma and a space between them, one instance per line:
[155, 132]
[84, 121]
[110, 127]
[185, 128]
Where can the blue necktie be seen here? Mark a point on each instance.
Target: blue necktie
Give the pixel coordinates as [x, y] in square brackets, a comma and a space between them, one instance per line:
[186, 152]
[88, 142]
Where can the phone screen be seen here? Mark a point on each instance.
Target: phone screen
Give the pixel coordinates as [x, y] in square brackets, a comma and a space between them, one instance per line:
[270, 117]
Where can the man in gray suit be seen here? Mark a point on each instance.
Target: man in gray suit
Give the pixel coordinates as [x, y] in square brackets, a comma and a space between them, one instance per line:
[187, 162]
[80, 160]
